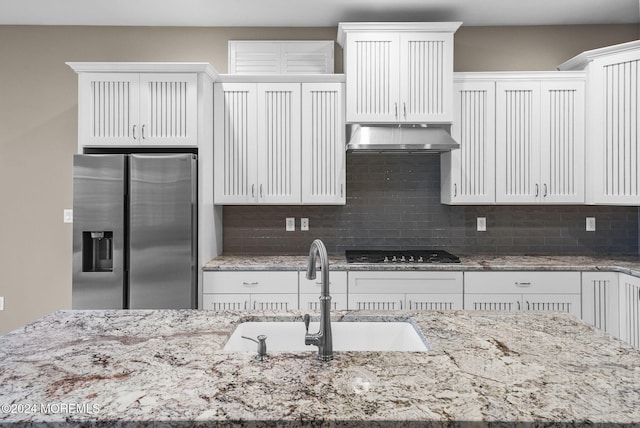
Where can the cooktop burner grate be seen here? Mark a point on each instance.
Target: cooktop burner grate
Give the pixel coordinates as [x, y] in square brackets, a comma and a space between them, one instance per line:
[405, 256]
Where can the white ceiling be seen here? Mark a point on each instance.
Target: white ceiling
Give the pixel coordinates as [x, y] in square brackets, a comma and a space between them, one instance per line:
[314, 12]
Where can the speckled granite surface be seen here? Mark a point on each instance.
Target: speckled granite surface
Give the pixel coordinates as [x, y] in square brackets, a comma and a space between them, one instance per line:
[101, 367]
[625, 264]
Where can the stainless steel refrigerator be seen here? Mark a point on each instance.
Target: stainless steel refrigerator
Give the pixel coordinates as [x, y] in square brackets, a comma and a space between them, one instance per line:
[134, 231]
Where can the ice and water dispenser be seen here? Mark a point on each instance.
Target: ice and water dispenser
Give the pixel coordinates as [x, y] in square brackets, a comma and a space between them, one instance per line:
[97, 251]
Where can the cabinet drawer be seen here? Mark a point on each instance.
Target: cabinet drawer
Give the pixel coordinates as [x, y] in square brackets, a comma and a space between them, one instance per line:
[405, 282]
[337, 283]
[522, 282]
[250, 282]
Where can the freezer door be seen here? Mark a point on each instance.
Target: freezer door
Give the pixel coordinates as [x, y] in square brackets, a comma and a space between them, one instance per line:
[162, 231]
[98, 231]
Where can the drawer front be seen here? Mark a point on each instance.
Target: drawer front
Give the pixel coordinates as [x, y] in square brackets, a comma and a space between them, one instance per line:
[250, 282]
[522, 282]
[405, 282]
[337, 283]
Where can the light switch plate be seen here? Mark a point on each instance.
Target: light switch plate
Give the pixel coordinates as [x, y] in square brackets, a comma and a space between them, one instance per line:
[481, 224]
[68, 216]
[304, 224]
[291, 224]
[591, 224]
[1, 303]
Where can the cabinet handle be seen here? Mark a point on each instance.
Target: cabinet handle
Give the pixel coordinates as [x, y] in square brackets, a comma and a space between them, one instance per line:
[134, 132]
[537, 190]
[518, 305]
[523, 284]
[142, 132]
[396, 107]
[545, 190]
[250, 284]
[404, 110]
[320, 283]
[341, 190]
[261, 195]
[455, 189]
[253, 190]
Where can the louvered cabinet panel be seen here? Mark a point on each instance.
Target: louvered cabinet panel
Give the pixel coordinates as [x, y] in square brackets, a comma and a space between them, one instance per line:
[279, 143]
[562, 142]
[600, 301]
[168, 109]
[426, 82]
[630, 310]
[323, 144]
[614, 130]
[517, 142]
[109, 108]
[469, 172]
[235, 147]
[372, 71]
[569, 303]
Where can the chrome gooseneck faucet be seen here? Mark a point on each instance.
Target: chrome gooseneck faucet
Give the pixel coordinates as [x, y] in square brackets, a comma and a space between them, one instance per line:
[322, 339]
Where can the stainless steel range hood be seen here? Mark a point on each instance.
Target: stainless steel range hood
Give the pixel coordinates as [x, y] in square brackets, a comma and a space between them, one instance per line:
[400, 138]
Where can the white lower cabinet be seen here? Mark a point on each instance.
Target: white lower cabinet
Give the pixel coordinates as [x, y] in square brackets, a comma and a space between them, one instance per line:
[402, 290]
[246, 290]
[600, 301]
[629, 298]
[310, 290]
[523, 291]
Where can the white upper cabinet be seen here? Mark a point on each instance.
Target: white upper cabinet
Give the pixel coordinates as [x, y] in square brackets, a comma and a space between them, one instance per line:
[468, 174]
[262, 152]
[141, 104]
[613, 160]
[540, 140]
[323, 144]
[398, 72]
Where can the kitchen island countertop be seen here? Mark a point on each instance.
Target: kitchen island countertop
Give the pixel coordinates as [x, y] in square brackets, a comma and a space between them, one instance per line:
[629, 264]
[101, 367]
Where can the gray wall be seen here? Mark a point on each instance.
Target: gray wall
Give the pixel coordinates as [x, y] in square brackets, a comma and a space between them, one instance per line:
[38, 125]
[393, 201]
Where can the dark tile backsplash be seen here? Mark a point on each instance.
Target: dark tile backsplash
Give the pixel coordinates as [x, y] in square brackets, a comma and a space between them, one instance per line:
[393, 202]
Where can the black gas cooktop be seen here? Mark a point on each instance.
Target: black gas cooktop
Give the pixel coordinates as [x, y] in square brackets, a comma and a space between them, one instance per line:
[404, 256]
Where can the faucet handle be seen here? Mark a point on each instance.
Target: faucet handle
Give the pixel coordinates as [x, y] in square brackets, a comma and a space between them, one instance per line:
[307, 320]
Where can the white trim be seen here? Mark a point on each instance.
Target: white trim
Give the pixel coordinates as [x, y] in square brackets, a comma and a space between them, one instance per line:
[144, 67]
[580, 62]
[433, 27]
[519, 75]
[280, 78]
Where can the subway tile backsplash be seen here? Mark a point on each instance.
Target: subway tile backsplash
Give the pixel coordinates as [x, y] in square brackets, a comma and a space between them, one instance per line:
[393, 202]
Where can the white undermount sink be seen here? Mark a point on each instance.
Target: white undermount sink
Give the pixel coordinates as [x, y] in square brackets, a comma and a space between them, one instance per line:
[395, 336]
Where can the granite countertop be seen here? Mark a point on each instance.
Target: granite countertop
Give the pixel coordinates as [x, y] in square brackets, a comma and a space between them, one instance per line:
[625, 264]
[108, 367]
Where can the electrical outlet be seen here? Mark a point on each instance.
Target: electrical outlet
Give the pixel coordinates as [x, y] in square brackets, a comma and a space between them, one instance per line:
[481, 224]
[1, 303]
[68, 216]
[591, 224]
[291, 224]
[304, 224]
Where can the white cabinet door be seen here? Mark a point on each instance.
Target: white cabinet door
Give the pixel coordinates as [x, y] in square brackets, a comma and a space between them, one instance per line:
[377, 301]
[372, 70]
[108, 109]
[540, 141]
[274, 302]
[138, 109]
[630, 309]
[468, 173]
[613, 132]
[279, 144]
[600, 301]
[562, 142]
[226, 302]
[235, 143]
[569, 303]
[517, 141]
[492, 302]
[323, 144]
[169, 109]
[426, 77]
